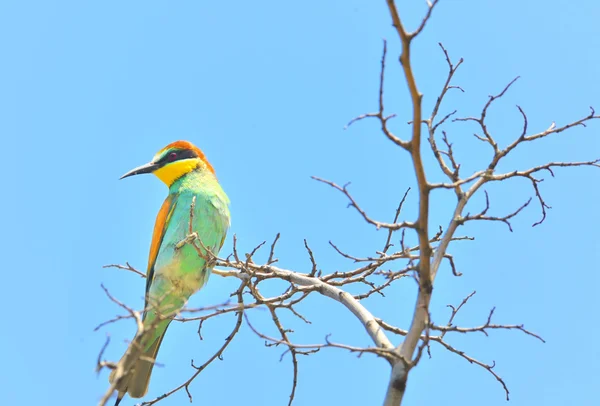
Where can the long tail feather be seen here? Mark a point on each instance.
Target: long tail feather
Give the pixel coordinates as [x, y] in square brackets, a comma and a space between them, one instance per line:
[138, 364]
[140, 378]
[119, 398]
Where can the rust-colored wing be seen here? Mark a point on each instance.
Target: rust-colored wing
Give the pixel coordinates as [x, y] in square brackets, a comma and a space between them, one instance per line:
[162, 221]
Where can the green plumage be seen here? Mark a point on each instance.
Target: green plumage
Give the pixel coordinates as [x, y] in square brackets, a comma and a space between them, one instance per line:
[178, 270]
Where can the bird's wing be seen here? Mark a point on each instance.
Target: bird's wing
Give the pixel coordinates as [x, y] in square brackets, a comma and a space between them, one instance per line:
[160, 226]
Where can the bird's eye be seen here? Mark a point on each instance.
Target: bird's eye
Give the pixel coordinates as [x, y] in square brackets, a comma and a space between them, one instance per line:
[172, 156]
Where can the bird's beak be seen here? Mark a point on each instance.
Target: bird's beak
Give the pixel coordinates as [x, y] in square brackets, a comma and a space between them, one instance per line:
[146, 168]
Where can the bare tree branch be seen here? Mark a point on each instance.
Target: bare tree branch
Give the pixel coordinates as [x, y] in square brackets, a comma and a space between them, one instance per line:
[372, 273]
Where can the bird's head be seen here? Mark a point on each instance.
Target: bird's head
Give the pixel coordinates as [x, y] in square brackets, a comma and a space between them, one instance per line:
[174, 161]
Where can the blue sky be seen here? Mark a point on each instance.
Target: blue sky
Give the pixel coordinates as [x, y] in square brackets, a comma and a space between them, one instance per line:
[89, 90]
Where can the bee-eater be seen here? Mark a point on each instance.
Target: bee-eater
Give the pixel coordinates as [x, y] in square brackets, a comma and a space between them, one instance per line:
[176, 269]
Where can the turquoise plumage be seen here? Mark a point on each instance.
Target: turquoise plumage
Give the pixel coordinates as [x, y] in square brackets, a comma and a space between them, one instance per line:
[177, 269]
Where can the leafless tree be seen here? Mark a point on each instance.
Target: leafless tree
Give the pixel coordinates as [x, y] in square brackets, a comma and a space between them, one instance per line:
[401, 347]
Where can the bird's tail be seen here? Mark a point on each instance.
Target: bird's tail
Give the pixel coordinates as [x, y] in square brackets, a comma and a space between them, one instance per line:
[138, 364]
[140, 377]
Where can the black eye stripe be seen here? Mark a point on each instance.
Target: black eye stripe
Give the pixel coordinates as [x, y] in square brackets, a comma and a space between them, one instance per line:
[179, 155]
[186, 153]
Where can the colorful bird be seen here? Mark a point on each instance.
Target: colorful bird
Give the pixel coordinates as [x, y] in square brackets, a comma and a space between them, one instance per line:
[178, 265]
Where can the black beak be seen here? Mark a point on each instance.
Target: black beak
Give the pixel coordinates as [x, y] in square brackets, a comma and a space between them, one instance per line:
[146, 168]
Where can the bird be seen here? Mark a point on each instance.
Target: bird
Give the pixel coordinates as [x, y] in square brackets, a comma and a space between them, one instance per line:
[189, 231]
